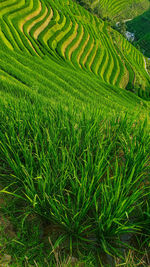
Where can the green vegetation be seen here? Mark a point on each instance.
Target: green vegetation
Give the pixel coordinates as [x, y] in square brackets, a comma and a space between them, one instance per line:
[74, 139]
[140, 26]
[84, 171]
[70, 33]
[115, 9]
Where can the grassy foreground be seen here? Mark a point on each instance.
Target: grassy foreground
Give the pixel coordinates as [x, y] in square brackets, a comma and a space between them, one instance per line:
[77, 179]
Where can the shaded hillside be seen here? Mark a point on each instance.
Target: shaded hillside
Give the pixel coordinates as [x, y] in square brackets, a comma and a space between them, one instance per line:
[141, 27]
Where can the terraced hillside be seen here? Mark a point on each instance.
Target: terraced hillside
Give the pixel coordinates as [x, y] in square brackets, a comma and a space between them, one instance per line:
[116, 6]
[120, 8]
[71, 34]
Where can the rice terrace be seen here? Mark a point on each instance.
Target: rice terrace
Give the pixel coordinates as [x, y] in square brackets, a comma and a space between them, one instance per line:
[74, 133]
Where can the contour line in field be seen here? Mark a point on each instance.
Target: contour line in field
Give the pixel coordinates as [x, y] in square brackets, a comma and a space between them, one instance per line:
[44, 25]
[69, 40]
[76, 44]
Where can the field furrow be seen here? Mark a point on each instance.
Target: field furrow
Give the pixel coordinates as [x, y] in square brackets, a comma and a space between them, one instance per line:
[70, 39]
[88, 53]
[45, 24]
[83, 47]
[75, 46]
[30, 16]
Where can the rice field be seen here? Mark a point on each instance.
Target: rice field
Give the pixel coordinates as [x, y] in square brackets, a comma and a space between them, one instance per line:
[115, 7]
[66, 30]
[74, 139]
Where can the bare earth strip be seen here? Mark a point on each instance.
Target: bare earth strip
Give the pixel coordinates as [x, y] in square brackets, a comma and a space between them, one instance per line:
[83, 47]
[76, 44]
[43, 26]
[69, 40]
[85, 59]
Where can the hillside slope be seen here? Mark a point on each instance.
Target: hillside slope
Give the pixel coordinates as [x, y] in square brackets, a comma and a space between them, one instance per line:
[117, 9]
[71, 34]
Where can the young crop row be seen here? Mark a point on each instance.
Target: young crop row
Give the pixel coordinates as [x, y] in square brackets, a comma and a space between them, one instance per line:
[58, 83]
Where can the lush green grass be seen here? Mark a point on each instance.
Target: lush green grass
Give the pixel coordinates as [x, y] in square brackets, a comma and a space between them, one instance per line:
[62, 162]
[84, 173]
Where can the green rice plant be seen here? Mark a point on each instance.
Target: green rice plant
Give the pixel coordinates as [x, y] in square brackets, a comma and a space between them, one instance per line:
[91, 56]
[8, 18]
[40, 27]
[38, 20]
[128, 67]
[96, 61]
[86, 52]
[91, 84]
[109, 67]
[17, 23]
[74, 148]
[7, 6]
[25, 24]
[59, 34]
[7, 30]
[5, 40]
[64, 168]
[103, 63]
[60, 19]
[118, 68]
[62, 44]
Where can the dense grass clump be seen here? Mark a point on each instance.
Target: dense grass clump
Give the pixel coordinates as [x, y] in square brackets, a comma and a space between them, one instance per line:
[80, 171]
